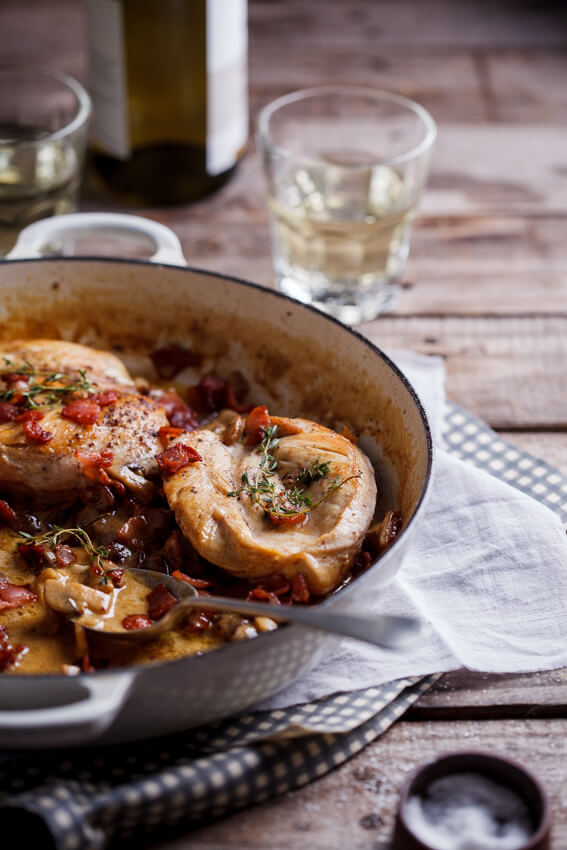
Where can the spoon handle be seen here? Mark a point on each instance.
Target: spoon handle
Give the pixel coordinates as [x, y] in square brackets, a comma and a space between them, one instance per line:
[385, 630]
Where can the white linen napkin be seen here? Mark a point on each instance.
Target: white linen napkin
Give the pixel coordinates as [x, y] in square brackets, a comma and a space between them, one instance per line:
[487, 571]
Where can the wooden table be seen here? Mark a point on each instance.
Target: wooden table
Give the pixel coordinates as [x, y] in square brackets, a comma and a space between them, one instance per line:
[486, 288]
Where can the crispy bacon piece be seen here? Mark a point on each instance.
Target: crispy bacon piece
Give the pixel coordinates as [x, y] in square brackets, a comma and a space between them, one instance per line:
[96, 570]
[256, 423]
[160, 601]
[260, 594]
[86, 664]
[8, 412]
[199, 621]
[83, 411]
[64, 555]
[15, 378]
[198, 583]
[172, 359]
[105, 397]
[291, 519]
[174, 458]
[132, 622]
[276, 584]
[14, 595]
[7, 514]
[9, 654]
[30, 416]
[95, 464]
[299, 589]
[36, 433]
[116, 576]
[33, 554]
[32, 429]
[168, 433]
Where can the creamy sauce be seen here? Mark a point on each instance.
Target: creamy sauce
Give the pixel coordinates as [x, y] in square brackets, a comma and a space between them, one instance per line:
[50, 637]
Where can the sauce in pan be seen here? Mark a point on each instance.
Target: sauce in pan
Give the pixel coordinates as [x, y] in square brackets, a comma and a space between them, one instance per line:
[99, 471]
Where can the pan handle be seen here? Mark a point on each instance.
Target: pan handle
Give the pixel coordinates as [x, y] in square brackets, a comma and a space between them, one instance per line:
[73, 723]
[39, 239]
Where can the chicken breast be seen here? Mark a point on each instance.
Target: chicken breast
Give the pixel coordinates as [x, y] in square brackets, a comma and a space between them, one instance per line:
[71, 416]
[52, 356]
[300, 505]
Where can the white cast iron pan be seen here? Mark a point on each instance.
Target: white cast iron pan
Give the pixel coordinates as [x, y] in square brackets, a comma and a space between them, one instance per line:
[297, 361]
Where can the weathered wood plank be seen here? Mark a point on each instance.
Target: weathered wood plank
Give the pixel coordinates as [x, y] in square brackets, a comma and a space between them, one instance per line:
[508, 371]
[457, 86]
[486, 265]
[49, 32]
[318, 25]
[527, 85]
[498, 168]
[451, 89]
[355, 805]
[463, 693]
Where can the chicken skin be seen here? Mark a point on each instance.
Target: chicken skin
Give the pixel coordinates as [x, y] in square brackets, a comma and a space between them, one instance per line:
[71, 415]
[298, 501]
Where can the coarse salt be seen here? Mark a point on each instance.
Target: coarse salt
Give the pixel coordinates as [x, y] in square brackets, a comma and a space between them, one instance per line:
[469, 811]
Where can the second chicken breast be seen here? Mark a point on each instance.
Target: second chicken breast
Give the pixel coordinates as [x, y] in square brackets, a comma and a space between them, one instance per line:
[289, 497]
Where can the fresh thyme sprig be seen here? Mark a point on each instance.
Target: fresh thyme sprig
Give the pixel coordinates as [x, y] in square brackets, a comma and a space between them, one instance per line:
[316, 470]
[268, 463]
[57, 535]
[292, 501]
[52, 389]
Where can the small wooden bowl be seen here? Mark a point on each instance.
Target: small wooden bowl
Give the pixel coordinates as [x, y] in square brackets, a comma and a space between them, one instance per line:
[502, 770]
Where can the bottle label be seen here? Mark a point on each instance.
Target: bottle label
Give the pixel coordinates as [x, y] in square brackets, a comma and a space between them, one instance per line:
[109, 128]
[227, 83]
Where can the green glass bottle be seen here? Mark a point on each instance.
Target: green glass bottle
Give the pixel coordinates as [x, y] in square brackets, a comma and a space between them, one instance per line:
[168, 79]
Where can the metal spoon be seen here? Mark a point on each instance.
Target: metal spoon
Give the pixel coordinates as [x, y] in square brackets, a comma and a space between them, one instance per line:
[385, 630]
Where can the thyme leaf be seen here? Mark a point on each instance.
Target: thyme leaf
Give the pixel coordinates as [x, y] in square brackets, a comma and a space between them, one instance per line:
[268, 463]
[314, 472]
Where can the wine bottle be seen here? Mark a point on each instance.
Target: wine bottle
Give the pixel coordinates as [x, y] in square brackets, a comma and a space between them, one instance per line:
[168, 79]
